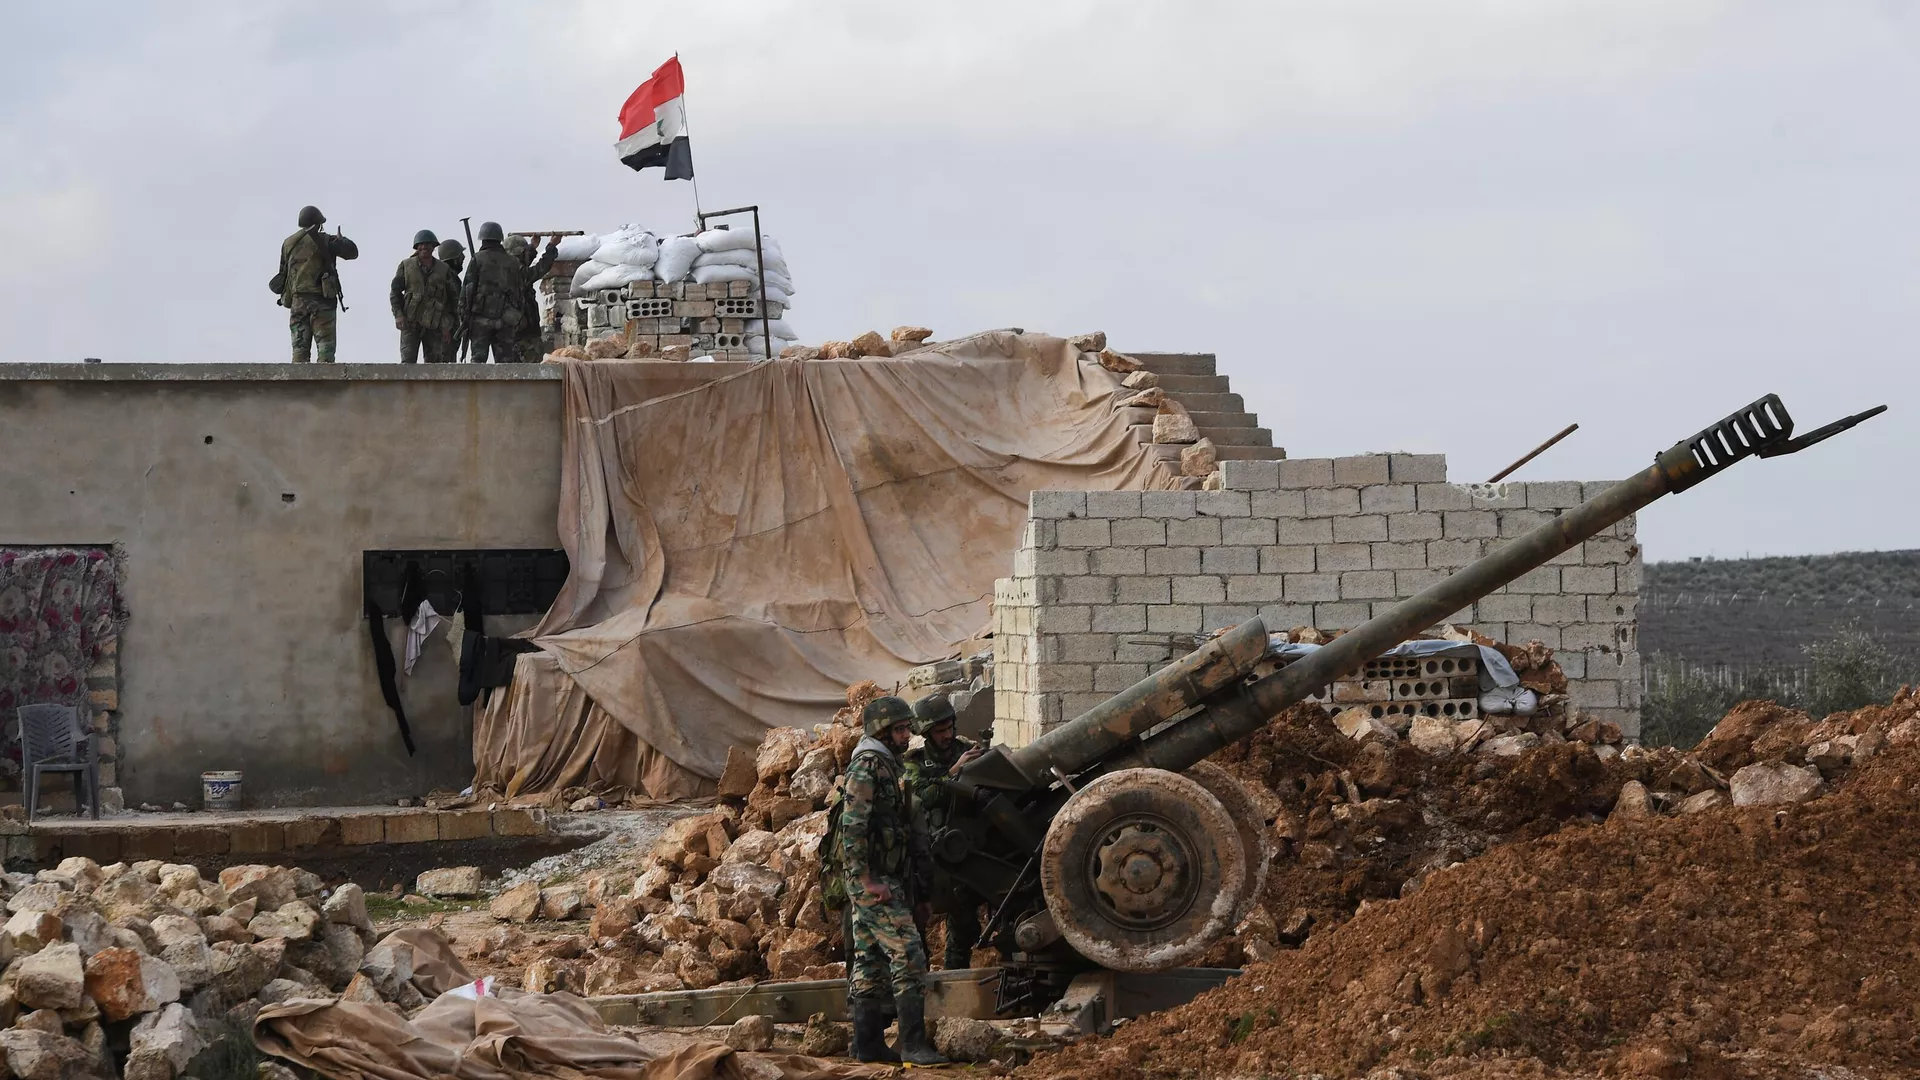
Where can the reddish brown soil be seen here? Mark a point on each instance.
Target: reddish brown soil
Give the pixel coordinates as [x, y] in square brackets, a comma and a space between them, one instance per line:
[1736, 943]
[1431, 812]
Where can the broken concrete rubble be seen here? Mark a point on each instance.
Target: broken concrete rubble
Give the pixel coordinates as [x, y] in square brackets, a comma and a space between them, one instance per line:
[450, 881]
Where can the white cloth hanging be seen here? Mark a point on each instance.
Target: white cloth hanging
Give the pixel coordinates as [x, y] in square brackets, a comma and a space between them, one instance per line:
[425, 621]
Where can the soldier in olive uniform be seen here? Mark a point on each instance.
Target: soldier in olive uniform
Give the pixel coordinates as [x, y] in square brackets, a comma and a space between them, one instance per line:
[530, 344]
[926, 766]
[309, 285]
[879, 854]
[494, 299]
[425, 296]
[455, 256]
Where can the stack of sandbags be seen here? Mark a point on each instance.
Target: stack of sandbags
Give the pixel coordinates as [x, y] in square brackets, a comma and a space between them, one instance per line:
[621, 257]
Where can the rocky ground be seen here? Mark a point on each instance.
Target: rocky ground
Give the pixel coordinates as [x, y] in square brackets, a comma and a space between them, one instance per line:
[1741, 910]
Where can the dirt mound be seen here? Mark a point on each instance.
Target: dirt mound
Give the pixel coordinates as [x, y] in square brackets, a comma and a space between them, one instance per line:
[1729, 941]
[1366, 821]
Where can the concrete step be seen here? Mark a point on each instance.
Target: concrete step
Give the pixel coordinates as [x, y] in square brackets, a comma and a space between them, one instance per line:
[1250, 453]
[1161, 363]
[1223, 419]
[1212, 403]
[1182, 385]
[1244, 436]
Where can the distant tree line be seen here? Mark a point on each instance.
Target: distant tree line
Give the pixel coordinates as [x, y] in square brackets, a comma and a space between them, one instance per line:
[1851, 665]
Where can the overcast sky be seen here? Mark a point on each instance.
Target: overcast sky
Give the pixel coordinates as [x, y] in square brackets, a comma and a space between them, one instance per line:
[1402, 225]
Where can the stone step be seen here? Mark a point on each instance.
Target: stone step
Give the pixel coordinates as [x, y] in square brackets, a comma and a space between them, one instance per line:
[1223, 419]
[1250, 453]
[1246, 436]
[1182, 385]
[1161, 363]
[1221, 402]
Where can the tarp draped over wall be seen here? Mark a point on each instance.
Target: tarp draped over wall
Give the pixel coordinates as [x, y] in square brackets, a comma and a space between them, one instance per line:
[743, 551]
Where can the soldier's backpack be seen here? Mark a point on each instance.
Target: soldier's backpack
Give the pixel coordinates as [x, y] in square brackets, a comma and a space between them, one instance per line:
[833, 881]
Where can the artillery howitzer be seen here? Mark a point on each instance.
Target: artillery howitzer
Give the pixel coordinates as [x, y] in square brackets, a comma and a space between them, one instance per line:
[1110, 841]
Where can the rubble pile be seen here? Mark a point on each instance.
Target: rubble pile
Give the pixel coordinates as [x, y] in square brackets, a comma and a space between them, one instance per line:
[730, 895]
[131, 969]
[1692, 915]
[903, 339]
[1500, 723]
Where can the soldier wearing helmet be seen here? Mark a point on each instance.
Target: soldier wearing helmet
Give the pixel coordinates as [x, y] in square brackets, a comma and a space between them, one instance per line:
[495, 300]
[942, 751]
[878, 854]
[308, 285]
[425, 297]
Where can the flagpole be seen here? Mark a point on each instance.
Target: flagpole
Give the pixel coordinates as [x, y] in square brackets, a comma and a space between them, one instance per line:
[686, 128]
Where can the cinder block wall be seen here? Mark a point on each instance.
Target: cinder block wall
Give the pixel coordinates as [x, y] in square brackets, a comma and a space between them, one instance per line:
[1102, 577]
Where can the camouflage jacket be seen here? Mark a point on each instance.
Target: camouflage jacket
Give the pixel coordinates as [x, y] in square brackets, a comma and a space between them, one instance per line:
[875, 830]
[926, 767]
[426, 296]
[307, 259]
[498, 287]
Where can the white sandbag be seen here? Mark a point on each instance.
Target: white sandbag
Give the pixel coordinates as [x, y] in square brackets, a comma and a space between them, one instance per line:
[707, 275]
[623, 249]
[676, 258]
[778, 280]
[577, 248]
[615, 276]
[778, 295]
[725, 240]
[778, 328]
[741, 257]
[586, 273]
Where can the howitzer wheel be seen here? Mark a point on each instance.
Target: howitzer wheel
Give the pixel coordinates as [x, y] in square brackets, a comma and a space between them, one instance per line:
[1142, 870]
[1250, 821]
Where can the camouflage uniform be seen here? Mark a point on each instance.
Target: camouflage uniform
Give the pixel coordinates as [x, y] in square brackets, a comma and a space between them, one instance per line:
[495, 299]
[876, 836]
[311, 294]
[926, 766]
[425, 297]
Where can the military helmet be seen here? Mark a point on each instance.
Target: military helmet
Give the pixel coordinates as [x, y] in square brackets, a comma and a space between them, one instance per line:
[882, 713]
[516, 243]
[930, 712]
[311, 216]
[450, 251]
[490, 230]
[425, 236]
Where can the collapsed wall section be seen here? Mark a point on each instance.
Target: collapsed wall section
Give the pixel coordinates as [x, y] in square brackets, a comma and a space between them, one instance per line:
[1107, 586]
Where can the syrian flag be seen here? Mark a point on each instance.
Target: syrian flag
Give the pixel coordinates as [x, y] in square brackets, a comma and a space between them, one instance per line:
[653, 125]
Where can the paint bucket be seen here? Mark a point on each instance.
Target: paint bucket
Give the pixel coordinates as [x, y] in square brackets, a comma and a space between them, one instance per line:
[220, 790]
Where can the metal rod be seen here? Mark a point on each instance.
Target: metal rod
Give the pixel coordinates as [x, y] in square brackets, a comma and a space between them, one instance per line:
[759, 261]
[1534, 453]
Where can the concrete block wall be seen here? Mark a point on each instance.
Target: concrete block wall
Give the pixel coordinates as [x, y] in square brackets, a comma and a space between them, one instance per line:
[1103, 577]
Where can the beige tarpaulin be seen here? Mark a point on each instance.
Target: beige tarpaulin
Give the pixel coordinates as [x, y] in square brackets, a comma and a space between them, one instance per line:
[505, 1037]
[743, 551]
[542, 734]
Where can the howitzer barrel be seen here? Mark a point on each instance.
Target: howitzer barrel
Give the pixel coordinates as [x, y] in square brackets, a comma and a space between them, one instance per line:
[1763, 429]
[1109, 725]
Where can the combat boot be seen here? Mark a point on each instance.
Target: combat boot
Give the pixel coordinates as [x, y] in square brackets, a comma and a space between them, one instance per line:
[870, 1032]
[915, 1047]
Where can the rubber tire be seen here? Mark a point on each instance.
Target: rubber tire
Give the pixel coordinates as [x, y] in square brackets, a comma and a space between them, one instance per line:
[1201, 821]
[1250, 821]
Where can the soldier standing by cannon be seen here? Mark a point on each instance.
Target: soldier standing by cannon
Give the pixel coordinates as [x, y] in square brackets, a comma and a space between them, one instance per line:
[875, 853]
[926, 766]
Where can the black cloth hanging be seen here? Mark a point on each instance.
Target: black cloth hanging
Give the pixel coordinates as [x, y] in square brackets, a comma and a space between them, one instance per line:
[413, 590]
[387, 669]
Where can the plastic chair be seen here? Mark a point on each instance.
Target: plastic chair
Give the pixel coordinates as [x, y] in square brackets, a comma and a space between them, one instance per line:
[50, 742]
